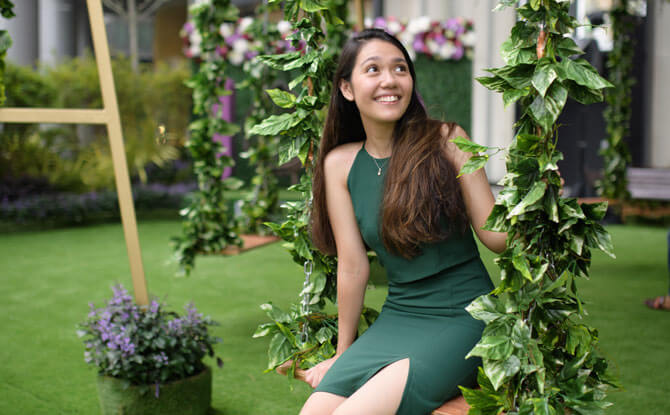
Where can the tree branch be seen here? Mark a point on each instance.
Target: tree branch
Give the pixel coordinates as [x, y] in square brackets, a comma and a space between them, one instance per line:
[116, 6]
[149, 7]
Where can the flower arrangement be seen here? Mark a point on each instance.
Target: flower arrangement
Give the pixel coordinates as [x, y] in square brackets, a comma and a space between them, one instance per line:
[239, 44]
[451, 39]
[146, 345]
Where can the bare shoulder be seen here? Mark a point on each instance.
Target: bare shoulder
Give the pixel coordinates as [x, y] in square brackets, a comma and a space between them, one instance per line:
[452, 152]
[339, 160]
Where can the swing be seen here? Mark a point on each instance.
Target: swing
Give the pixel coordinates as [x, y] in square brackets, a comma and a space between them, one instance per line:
[455, 406]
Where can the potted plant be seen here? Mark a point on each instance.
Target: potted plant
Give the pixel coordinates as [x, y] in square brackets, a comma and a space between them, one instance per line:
[149, 360]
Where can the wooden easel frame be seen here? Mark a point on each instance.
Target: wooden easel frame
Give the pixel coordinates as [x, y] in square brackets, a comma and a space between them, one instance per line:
[109, 116]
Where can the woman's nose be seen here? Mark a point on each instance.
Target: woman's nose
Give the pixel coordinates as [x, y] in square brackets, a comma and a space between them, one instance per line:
[388, 79]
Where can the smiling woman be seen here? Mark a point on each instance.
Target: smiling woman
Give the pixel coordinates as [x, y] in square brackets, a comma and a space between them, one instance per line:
[386, 180]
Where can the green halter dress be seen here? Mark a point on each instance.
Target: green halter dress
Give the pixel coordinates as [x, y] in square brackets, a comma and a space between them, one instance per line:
[423, 317]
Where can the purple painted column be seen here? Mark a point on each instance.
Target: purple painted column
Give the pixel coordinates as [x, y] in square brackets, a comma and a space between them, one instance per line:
[227, 108]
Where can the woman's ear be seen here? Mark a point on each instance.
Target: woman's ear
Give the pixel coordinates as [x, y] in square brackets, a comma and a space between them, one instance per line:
[345, 89]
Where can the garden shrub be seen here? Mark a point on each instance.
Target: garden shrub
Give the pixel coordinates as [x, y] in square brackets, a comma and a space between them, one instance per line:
[78, 157]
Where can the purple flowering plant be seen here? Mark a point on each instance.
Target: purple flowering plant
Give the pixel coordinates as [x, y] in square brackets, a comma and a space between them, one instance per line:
[146, 345]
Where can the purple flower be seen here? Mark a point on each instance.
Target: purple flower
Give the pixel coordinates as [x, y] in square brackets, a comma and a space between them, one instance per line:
[154, 306]
[379, 23]
[458, 53]
[418, 44]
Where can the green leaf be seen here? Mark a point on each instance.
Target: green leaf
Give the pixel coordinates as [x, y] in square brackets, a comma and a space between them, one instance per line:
[281, 98]
[469, 146]
[279, 351]
[595, 211]
[581, 71]
[499, 371]
[544, 75]
[566, 47]
[484, 308]
[276, 124]
[581, 94]
[521, 264]
[494, 83]
[510, 96]
[534, 194]
[496, 221]
[275, 313]
[517, 76]
[601, 239]
[545, 110]
[263, 330]
[473, 164]
[492, 347]
[313, 6]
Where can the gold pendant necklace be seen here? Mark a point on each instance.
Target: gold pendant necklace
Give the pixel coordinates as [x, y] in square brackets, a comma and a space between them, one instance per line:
[379, 168]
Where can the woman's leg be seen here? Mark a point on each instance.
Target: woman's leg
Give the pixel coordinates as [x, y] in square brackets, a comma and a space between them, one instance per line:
[321, 403]
[381, 395]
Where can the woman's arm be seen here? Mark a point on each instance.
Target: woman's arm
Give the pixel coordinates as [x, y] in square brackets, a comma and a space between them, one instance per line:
[353, 267]
[476, 191]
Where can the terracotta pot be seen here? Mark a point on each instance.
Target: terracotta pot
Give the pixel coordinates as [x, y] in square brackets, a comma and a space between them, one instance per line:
[190, 396]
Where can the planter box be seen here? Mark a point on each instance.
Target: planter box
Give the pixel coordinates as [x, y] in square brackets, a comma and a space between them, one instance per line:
[190, 396]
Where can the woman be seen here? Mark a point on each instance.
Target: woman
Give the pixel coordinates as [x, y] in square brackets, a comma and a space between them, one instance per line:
[386, 180]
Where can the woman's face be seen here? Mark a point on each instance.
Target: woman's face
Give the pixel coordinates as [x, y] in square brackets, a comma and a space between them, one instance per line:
[381, 84]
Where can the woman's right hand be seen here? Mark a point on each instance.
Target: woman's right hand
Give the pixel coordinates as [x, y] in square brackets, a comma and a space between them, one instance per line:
[314, 375]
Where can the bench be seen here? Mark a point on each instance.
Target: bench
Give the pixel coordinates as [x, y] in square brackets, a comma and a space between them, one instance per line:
[456, 406]
[649, 184]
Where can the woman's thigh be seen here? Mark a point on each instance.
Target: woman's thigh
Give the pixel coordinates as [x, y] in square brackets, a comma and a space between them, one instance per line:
[381, 395]
[321, 403]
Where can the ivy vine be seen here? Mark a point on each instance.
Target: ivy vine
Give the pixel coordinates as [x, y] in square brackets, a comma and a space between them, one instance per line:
[6, 10]
[207, 227]
[263, 200]
[616, 157]
[539, 356]
[305, 335]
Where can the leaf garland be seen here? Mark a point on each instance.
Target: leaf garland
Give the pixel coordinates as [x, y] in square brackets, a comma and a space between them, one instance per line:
[299, 134]
[538, 355]
[207, 228]
[263, 200]
[616, 156]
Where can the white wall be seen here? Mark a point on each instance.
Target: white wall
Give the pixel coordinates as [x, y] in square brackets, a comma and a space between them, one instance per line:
[22, 29]
[658, 141]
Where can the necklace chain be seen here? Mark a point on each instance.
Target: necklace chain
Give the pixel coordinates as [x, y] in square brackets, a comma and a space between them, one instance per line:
[379, 168]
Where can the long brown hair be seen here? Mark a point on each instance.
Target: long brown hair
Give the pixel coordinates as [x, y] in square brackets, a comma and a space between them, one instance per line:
[422, 198]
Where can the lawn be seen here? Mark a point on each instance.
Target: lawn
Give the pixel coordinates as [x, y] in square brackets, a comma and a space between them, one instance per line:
[48, 278]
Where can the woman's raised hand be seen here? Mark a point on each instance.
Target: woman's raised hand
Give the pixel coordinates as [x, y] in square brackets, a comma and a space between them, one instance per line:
[314, 375]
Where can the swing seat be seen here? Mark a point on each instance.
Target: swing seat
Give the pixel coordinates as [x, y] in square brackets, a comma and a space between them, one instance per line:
[455, 406]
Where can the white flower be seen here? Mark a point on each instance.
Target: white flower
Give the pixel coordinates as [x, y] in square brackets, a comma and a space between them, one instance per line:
[195, 38]
[469, 39]
[284, 27]
[235, 57]
[418, 25]
[447, 50]
[226, 30]
[241, 45]
[432, 46]
[245, 22]
[367, 22]
[393, 27]
[194, 50]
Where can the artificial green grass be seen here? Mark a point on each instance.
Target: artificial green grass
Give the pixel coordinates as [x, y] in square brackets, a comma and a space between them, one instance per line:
[48, 278]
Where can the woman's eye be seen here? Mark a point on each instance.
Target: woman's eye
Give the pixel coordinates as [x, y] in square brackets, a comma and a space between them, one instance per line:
[371, 68]
[401, 68]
